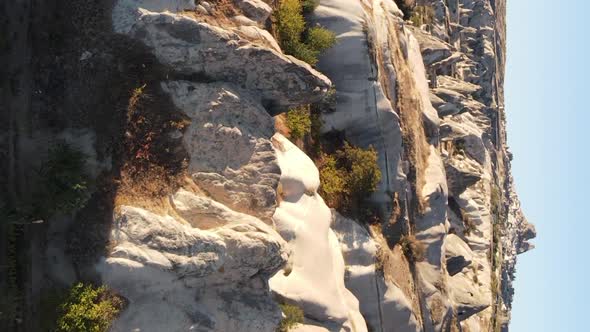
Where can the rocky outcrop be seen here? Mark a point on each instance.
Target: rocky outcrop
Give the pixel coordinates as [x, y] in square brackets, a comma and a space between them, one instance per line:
[383, 303]
[215, 53]
[208, 261]
[314, 277]
[176, 277]
[460, 52]
[251, 230]
[231, 156]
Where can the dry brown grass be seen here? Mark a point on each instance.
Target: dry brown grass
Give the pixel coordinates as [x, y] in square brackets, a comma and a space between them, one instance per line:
[437, 310]
[395, 267]
[152, 169]
[281, 124]
[223, 10]
[149, 191]
[409, 107]
[412, 248]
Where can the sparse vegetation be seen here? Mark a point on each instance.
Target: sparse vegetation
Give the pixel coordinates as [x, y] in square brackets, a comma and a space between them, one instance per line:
[293, 316]
[293, 36]
[380, 259]
[63, 187]
[298, 122]
[319, 39]
[11, 296]
[348, 177]
[88, 309]
[459, 147]
[495, 201]
[422, 15]
[474, 270]
[412, 248]
[64, 181]
[309, 5]
[468, 224]
[152, 167]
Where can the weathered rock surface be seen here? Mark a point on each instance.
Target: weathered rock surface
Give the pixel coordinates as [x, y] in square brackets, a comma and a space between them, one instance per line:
[363, 110]
[460, 52]
[257, 10]
[197, 48]
[232, 157]
[314, 278]
[383, 304]
[180, 278]
[253, 230]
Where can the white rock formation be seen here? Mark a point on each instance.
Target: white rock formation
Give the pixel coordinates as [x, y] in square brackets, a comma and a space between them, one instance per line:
[228, 140]
[179, 278]
[217, 53]
[363, 111]
[383, 304]
[253, 231]
[257, 10]
[314, 277]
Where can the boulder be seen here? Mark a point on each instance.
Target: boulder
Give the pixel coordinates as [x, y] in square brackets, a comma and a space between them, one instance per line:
[257, 10]
[215, 53]
[228, 141]
[180, 278]
[433, 49]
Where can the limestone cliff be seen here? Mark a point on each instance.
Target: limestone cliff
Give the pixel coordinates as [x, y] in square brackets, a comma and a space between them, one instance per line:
[230, 223]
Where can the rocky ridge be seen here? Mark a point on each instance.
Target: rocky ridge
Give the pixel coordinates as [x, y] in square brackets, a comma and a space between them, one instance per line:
[252, 231]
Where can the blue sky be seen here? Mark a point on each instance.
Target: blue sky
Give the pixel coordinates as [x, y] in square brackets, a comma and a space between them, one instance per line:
[548, 129]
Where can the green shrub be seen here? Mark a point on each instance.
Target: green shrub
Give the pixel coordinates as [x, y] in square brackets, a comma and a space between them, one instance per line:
[88, 309]
[298, 122]
[309, 5]
[290, 27]
[332, 181]
[290, 24]
[412, 248]
[320, 39]
[348, 177]
[293, 316]
[363, 173]
[304, 53]
[64, 182]
[327, 104]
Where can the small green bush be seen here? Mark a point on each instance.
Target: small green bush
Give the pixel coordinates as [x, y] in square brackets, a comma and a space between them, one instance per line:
[290, 24]
[320, 39]
[363, 173]
[88, 309]
[348, 177]
[332, 181]
[298, 122]
[309, 5]
[412, 248]
[64, 182]
[290, 27]
[293, 316]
